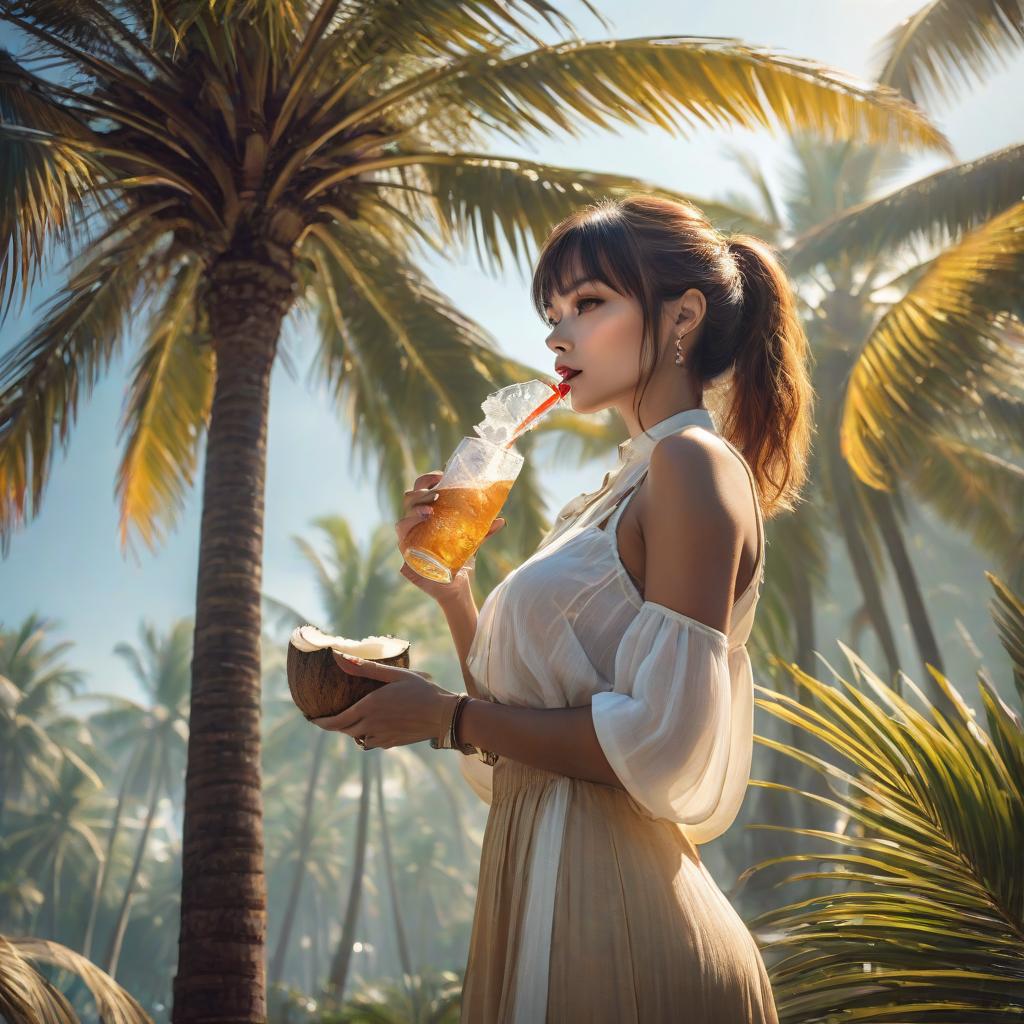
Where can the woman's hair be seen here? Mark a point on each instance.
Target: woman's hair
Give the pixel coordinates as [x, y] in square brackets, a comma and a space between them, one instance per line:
[654, 249]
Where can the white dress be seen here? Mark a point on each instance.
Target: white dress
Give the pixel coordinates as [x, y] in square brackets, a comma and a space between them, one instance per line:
[672, 704]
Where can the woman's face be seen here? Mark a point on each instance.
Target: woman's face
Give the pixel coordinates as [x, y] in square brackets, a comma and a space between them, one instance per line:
[598, 331]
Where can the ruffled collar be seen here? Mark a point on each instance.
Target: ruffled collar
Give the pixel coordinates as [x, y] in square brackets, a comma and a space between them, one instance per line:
[633, 452]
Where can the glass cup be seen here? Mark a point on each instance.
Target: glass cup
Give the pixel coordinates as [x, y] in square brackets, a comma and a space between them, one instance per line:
[475, 483]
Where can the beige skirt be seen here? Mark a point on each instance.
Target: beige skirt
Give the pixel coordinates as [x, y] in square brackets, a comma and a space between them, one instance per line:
[587, 911]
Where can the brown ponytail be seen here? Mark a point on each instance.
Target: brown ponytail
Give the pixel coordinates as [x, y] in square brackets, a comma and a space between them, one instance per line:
[654, 249]
[772, 406]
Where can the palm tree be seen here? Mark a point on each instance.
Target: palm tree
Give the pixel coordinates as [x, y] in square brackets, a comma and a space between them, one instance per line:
[932, 400]
[921, 918]
[33, 679]
[151, 739]
[221, 164]
[56, 836]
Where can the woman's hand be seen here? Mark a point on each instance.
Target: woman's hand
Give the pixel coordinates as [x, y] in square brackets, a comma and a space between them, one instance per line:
[417, 504]
[409, 709]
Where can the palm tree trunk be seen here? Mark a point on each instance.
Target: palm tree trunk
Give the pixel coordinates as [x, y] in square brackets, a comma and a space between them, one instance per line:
[917, 614]
[305, 835]
[314, 949]
[844, 493]
[117, 935]
[389, 866]
[223, 887]
[104, 868]
[58, 863]
[343, 954]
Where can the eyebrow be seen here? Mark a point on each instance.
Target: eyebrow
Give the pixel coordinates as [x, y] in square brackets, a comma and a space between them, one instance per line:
[576, 284]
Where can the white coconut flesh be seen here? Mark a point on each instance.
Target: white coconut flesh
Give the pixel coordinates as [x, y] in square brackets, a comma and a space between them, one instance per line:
[375, 648]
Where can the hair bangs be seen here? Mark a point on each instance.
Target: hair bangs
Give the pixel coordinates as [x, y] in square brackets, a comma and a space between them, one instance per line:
[595, 245]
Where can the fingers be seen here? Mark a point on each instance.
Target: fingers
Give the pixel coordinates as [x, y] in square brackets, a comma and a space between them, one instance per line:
[422, 490]
[428, 479]
[416, 515]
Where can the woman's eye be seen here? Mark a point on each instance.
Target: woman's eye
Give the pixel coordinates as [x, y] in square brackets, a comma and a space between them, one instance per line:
[579, 302]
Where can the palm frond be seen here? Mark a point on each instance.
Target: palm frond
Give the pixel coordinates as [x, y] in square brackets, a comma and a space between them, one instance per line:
[936, 51]
[105, 29]
[407, 405]
[168, 406]
[42, 187]
[438, 28]
[934, 210]
[977, 491]
[43, 378]
[923, 913]
[505, 205]
[27, 996]
[672, 82]
[1008, 616]
[944, 340]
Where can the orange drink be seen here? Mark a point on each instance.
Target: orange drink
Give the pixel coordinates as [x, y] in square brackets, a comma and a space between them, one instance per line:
[470, 494]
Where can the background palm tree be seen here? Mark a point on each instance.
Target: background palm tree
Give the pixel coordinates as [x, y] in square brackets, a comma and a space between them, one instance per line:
[33, 679]
[958, 432]
[921, 917]
[151, 739]
[56, 837]
[361, 594]
[221, 164]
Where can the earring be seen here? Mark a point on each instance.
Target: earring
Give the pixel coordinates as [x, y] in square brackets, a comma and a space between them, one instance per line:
[680, 358]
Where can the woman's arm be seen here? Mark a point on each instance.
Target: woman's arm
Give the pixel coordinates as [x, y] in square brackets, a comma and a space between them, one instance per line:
[559, 740]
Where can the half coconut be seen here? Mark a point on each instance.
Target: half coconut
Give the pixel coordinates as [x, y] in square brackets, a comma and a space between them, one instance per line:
[319, 685]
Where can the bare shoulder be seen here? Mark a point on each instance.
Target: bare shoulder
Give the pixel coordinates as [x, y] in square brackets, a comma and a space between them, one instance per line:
[692, 538]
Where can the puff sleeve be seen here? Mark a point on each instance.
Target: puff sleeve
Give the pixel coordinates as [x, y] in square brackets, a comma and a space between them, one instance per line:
[677, 727]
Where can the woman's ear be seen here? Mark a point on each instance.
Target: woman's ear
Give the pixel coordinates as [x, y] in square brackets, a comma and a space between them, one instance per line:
[692, 307]
[684, 315]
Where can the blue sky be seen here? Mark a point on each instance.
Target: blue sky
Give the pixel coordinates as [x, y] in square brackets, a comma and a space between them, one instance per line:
[67, 563]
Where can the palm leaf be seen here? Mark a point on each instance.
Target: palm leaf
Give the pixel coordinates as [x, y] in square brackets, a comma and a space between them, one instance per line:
[924, 913]
[671, 82]
[42, 187]
[26, 996]
[564, 88]
[436, 28]
[97, 27]
[941, 46]
[945, 338]
[977, 491]
[408, 406]
[498, 201]
[167, 410]
[1009, 620]
[934, 210]
[43, 378]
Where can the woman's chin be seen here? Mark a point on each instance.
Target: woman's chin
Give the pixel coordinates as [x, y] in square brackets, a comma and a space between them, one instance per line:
[576, 400]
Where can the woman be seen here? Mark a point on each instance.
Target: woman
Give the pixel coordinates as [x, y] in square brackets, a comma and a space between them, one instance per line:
[609, 672]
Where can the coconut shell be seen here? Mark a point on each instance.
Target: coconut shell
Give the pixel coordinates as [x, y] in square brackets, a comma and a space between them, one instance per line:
[320, 686]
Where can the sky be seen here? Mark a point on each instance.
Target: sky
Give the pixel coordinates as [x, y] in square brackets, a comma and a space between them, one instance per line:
[67, 564]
